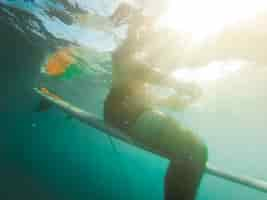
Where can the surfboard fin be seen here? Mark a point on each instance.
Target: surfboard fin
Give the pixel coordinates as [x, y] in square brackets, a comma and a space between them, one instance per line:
[43, 106]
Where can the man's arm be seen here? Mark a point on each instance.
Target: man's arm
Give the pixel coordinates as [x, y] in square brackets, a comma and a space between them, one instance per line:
[151, 75]
[186, 93]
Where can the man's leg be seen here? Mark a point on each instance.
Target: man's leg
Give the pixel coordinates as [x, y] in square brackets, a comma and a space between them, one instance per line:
[188, 152]
[182, 180]
[184, 175]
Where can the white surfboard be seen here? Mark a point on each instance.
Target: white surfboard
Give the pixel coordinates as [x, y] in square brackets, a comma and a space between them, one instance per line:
[95, 122]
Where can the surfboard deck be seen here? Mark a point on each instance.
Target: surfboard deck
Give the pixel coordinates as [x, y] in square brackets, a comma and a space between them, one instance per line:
[95, 122]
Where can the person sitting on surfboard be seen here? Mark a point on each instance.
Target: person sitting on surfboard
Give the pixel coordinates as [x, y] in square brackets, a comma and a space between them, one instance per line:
[130, 107]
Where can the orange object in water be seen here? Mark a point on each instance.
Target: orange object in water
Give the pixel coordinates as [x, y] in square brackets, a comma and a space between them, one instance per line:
[59, 62]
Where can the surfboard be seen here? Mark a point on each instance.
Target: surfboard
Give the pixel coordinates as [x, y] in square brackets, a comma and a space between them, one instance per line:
[99, 124]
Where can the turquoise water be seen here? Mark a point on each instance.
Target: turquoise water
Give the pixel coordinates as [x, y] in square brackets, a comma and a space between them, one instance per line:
[48, 156]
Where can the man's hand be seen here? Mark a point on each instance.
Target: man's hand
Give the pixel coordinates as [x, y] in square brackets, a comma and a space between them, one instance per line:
[185, 95]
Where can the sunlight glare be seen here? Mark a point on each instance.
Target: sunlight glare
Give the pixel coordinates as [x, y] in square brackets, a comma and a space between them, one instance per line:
[206, 17]
[211, 72]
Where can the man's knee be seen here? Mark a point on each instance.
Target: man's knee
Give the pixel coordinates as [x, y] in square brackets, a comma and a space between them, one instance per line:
[201, 155]
[190, 146]
[197, 151]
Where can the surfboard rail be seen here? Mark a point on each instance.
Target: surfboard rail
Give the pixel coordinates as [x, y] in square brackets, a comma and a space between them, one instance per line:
[99, 124]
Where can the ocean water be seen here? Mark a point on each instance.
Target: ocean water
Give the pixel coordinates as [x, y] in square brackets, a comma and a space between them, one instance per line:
[49, 156]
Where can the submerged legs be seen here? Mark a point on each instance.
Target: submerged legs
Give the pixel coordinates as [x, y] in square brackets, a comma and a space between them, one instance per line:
[187, 152]
[182, 181]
